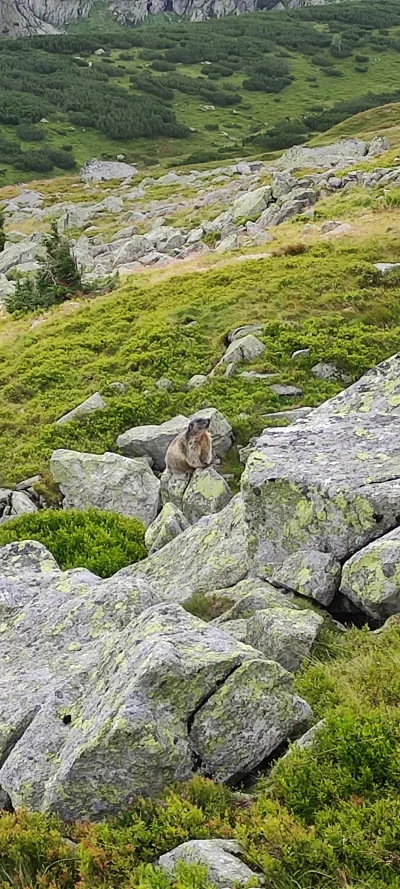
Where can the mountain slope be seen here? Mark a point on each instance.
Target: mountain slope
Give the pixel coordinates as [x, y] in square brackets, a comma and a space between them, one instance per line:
[19, 18]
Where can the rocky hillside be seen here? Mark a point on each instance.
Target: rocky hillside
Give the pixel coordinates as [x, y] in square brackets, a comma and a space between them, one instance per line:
[19, 18]
[199, 669]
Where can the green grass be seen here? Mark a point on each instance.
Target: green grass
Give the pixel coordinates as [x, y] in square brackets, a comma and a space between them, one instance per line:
[329, 297]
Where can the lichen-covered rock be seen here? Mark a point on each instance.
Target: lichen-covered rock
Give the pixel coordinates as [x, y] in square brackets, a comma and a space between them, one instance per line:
[252, 204]
[310, 573]
[98, 704]
[107, 481]
[93, 403]
[206, 494]
[251, 595]
[152, 441]
[173, 487]
[331, 482]
[371, 578]
[284, 635]
[210, 555]
[328, 372]
[168, 524]
[258, 698]
[220, 857]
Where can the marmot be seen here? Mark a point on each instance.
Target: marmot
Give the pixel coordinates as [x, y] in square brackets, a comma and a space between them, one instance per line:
[191, 449]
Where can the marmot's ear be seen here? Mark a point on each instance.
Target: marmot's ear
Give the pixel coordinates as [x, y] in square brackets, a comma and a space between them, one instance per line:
[191, 426]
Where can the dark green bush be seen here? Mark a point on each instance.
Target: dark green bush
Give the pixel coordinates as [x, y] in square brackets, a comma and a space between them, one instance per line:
[30, 133]
[103, 542]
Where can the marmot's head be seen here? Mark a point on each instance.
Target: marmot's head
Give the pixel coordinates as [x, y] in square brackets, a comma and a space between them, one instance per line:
[197, 426]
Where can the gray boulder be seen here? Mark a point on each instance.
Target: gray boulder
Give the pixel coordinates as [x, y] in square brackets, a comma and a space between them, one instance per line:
[251, 595]
[371, 578]
[385, 267]
[291, 415]
[247, 348]
[168, 524]
[328, 372]
[282, 184]
[378, 145]
[338, 154]
[229, 243]
[208, 556]
[100, 703]
[284, 635]
[285, 391]
[7, 288]
[196, 381]
[239, 332]
[152, 441]
[21, 503]
[206, 494]
[220, 857]
[93, 403]
[101, 171]
[310, 573]
[130, 251]
[107, 481]
[331, 482]
[252, 204]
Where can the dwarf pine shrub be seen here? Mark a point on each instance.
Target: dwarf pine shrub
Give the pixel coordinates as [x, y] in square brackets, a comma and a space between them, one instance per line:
[103, 542]
[57, 279]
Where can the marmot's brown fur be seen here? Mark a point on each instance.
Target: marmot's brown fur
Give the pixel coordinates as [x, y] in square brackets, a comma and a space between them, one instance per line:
[191, 449]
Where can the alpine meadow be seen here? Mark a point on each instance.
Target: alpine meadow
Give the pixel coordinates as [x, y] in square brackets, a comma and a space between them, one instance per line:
[199, 444]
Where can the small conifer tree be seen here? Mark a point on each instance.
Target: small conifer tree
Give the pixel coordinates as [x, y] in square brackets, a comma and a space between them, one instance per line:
[57, 279]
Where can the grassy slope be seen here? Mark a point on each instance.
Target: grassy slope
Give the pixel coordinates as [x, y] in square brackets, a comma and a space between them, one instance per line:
[140, 332]
[329, 818]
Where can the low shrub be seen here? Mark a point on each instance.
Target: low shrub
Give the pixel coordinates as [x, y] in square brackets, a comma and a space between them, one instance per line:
[103, 542]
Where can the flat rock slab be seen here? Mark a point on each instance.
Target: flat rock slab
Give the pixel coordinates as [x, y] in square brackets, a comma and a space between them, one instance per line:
[332, 482]
[107, 481]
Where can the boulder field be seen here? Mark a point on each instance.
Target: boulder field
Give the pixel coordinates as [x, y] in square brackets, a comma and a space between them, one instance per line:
[110, 689]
